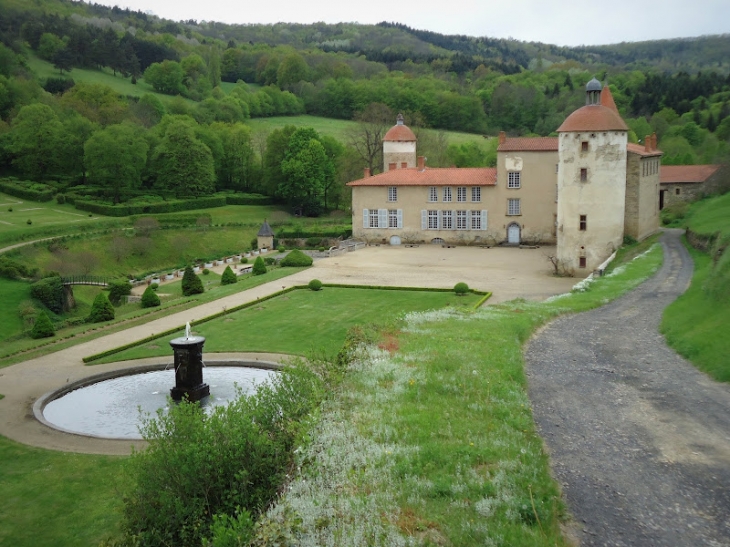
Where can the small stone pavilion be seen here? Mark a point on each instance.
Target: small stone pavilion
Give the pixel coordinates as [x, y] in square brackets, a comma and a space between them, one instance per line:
[265, 236]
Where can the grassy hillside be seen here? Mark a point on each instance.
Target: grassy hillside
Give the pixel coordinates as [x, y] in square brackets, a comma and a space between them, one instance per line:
[697, 323]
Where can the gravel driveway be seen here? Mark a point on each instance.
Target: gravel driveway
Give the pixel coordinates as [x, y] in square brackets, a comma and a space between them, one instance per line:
[638, 438]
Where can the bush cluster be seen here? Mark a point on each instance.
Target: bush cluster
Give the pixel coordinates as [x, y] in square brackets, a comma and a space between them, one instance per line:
[315, 285]
[43, 327]
[191, 283]
[228, 277]
[13, 269]
[461, 288]
[150, 298]
[49, 291]
[296, 258]
[259, 268]
[101, 309]
[234, 461]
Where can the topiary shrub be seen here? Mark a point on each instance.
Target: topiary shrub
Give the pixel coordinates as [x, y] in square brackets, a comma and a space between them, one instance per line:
[101, 309]
[150, 298]
[315, 285]
[244, 260]
[119, 289]
[281, 249]
[206, 271]
[296, 258]
[259, 267]
[228, 277]
[60, 199]
[29, 221]
[49, 291]
[191, 283]
[269, 260]
[461, 289]
[322, 249]
[43, 327]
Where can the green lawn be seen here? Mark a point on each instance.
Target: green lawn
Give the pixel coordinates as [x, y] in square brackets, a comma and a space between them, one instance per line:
[55, 498]
[303, 320]
[710, 216]
[44, 215]
[12, 293]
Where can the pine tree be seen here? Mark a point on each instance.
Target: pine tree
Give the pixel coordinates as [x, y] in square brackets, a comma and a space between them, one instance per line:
[101, 309]
[228, 277]
[43, 327]
[150, 298]
[191, 283]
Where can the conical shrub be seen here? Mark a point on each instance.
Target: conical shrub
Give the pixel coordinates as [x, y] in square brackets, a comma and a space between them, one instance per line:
[150, 298]
[101, 309]
[191, 283]
[228, 277]
[43, 327]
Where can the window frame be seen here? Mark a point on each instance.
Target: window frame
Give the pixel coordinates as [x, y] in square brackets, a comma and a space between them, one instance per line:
[373, 214]
[447, 220]
[462, 220]
[584, 174]
[475, 222]
[432, 216]
[476, 194]
[514, 207]
[392, 194]
[461, 194]
[514, 180]
[583, 223]
[433, 194]
[447, 194]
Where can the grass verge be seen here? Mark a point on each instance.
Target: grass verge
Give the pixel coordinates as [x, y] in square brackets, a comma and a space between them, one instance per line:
[696, 324]
[431, 439]
[55, 498]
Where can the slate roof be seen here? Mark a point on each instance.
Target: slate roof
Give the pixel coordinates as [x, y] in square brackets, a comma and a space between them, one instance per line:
[265, 230]
[449, 176]
[673, 174]
[529, 144]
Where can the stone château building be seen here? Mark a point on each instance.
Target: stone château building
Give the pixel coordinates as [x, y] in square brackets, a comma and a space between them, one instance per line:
[583, 190]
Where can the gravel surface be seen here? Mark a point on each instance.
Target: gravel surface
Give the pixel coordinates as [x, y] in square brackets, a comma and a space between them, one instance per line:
[638, 438]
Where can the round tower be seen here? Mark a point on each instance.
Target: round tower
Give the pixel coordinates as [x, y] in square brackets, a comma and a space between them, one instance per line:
[591, 182]
[399, 147]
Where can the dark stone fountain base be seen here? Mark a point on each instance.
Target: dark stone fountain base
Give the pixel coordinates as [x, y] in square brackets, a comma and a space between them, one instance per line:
[189, 369]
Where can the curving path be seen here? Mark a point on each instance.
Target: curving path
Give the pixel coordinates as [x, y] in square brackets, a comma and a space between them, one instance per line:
[638, 438]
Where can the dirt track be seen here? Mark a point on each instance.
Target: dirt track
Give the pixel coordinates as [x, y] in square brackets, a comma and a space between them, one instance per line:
[507, 272]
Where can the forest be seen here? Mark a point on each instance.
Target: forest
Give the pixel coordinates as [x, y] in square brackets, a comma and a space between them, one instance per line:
[184, 133]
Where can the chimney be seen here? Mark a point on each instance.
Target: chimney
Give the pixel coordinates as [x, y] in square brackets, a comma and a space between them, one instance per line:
[653, 141]
[392, 166]
[502, 137]
[404, 165]
[421, 163]
[366, 174]
[647, 143]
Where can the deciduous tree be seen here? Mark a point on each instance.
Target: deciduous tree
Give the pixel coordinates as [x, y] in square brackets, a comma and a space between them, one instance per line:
[183, 164]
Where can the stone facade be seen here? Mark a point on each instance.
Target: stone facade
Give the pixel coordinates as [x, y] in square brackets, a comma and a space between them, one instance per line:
[642, 190]
[687, 183]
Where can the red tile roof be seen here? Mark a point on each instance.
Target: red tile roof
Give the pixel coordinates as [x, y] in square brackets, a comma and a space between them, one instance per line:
[450, 176]
[686, 173]
[593, 117]
[399, 133]
[607, 99]
[640, 149]
[529, 144]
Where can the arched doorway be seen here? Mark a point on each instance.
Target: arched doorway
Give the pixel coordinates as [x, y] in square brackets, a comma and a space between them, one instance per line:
[513, 234]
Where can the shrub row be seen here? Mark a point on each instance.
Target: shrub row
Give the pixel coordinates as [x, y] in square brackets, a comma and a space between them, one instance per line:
[20, 190]
[248, 199]
[152, 208]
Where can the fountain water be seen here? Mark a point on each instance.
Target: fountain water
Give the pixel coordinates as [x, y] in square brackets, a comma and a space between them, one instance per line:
[188, 361]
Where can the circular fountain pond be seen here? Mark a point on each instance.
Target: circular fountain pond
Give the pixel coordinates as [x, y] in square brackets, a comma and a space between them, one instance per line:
[115, 408]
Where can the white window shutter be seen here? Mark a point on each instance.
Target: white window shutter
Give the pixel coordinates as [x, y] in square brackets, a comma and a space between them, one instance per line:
[468, 220]
[382, 218]
[484, 219]
[400, 218]
[424, 220]
[365, 218]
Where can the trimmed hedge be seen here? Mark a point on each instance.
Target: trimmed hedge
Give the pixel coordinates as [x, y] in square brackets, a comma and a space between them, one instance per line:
[259, 268]
[228, 277]
[248, 199]
[20, 190]
[172, 206]
[299, 233]
[150, 298]
[101, 309]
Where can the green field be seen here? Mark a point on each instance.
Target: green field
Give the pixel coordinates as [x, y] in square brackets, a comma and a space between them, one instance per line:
[120, 84]
[314, 320]
[710, 216]
[42, 215]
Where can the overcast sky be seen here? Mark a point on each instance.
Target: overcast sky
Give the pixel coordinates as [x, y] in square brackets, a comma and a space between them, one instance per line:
[562, 22]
